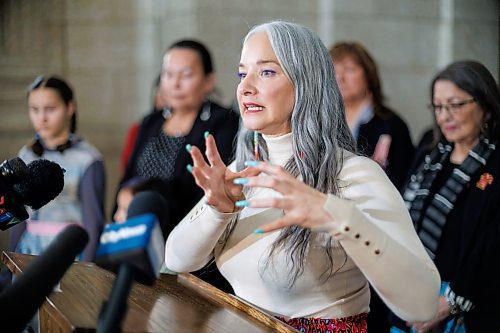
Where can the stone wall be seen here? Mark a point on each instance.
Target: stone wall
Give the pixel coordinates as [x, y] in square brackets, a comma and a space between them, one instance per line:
[111, 52]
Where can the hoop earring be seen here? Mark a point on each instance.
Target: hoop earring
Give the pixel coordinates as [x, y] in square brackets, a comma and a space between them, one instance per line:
[166, 113]
[205, 113]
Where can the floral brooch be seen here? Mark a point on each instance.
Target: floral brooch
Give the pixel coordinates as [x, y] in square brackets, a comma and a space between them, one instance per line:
[485, 180]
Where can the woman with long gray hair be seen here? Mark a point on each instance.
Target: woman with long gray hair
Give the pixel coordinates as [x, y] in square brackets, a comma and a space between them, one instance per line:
[298, 224]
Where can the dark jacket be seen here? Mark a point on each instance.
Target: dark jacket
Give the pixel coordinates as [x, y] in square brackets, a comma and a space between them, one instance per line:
[479, 256]
[477, 261]
[181, 191]
[401, 150]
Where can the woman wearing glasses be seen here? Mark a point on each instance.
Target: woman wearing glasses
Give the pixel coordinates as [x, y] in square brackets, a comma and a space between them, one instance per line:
[454, 194]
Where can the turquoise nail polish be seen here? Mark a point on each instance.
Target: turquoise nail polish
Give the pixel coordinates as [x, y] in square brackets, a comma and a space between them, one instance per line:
[242, 203]
[189, 168]
[206, 134]
[258, 231]
[188, 148]
[251, 163]
[240, 181]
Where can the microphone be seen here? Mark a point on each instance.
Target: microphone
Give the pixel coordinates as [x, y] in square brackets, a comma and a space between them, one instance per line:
[135, 249]
[44, 182]
[13, 170]
[33, 185]
[19, 302]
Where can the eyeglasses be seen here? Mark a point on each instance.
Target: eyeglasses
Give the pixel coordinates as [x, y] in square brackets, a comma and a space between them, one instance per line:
[452, 108]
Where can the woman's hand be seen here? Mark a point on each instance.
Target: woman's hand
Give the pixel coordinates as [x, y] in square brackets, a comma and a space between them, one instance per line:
[215, 178]
[301, 204]
[442, 313]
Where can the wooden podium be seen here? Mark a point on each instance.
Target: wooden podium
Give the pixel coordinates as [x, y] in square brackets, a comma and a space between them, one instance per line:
[180, 303]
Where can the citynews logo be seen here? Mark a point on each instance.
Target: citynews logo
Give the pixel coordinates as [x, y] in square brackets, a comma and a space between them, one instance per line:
[5, 216]
[115, 236]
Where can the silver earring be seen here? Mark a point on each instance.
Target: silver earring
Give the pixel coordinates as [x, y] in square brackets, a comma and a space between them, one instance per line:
[205, 112]
[166, 113]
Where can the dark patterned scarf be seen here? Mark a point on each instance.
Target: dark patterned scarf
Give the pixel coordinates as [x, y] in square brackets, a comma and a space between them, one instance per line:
[429, 221]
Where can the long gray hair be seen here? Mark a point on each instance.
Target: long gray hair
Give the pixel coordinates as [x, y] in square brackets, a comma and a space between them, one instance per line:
[319, 130]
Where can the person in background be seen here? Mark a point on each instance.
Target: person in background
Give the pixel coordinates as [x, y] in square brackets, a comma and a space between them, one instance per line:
[127, 193]
[53, 113]
[453, 197]
[299, 224]
[159, 104]
[379, 132]
[187, 80]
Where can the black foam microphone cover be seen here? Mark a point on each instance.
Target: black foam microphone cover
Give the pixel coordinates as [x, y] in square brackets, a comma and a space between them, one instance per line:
[149, 202]
[13, 170]
[19, 302]
[44, 182]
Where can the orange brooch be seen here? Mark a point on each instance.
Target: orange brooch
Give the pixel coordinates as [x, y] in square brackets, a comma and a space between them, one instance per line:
[485, 180]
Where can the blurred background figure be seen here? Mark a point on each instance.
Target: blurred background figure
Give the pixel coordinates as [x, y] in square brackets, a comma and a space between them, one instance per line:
[187, 80]
[379, 132]
[453, 196]
[53, 114]
[159, 104]
[129, 190]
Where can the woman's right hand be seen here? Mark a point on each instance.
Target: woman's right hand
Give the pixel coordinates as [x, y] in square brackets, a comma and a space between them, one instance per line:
[215, 178]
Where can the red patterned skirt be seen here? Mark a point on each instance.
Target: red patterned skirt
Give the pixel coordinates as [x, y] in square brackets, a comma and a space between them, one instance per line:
[353, 324]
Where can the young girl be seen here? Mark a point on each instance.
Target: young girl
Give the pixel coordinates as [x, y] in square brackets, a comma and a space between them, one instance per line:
[52, 111]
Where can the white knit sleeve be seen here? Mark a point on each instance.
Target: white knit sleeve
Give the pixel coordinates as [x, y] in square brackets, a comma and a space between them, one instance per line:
[189, 246]
[374, 227]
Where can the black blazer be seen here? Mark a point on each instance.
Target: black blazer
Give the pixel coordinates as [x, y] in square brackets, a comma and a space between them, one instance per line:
[478, 270]
[479, 257]
[181, 191]
[401, 151]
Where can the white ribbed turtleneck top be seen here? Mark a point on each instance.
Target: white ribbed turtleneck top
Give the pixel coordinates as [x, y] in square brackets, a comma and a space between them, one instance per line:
[373, 241]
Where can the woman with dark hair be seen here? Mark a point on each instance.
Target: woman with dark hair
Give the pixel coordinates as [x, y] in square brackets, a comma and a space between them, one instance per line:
[379, 132]
[187, 80]
[453, 197]
[52, 111]
[298, 224]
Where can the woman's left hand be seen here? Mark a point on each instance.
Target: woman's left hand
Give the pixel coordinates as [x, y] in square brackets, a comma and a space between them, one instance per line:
[443, 311]
[302, 204]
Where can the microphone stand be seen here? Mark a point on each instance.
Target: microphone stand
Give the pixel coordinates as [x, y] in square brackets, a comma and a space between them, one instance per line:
[113, 311]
